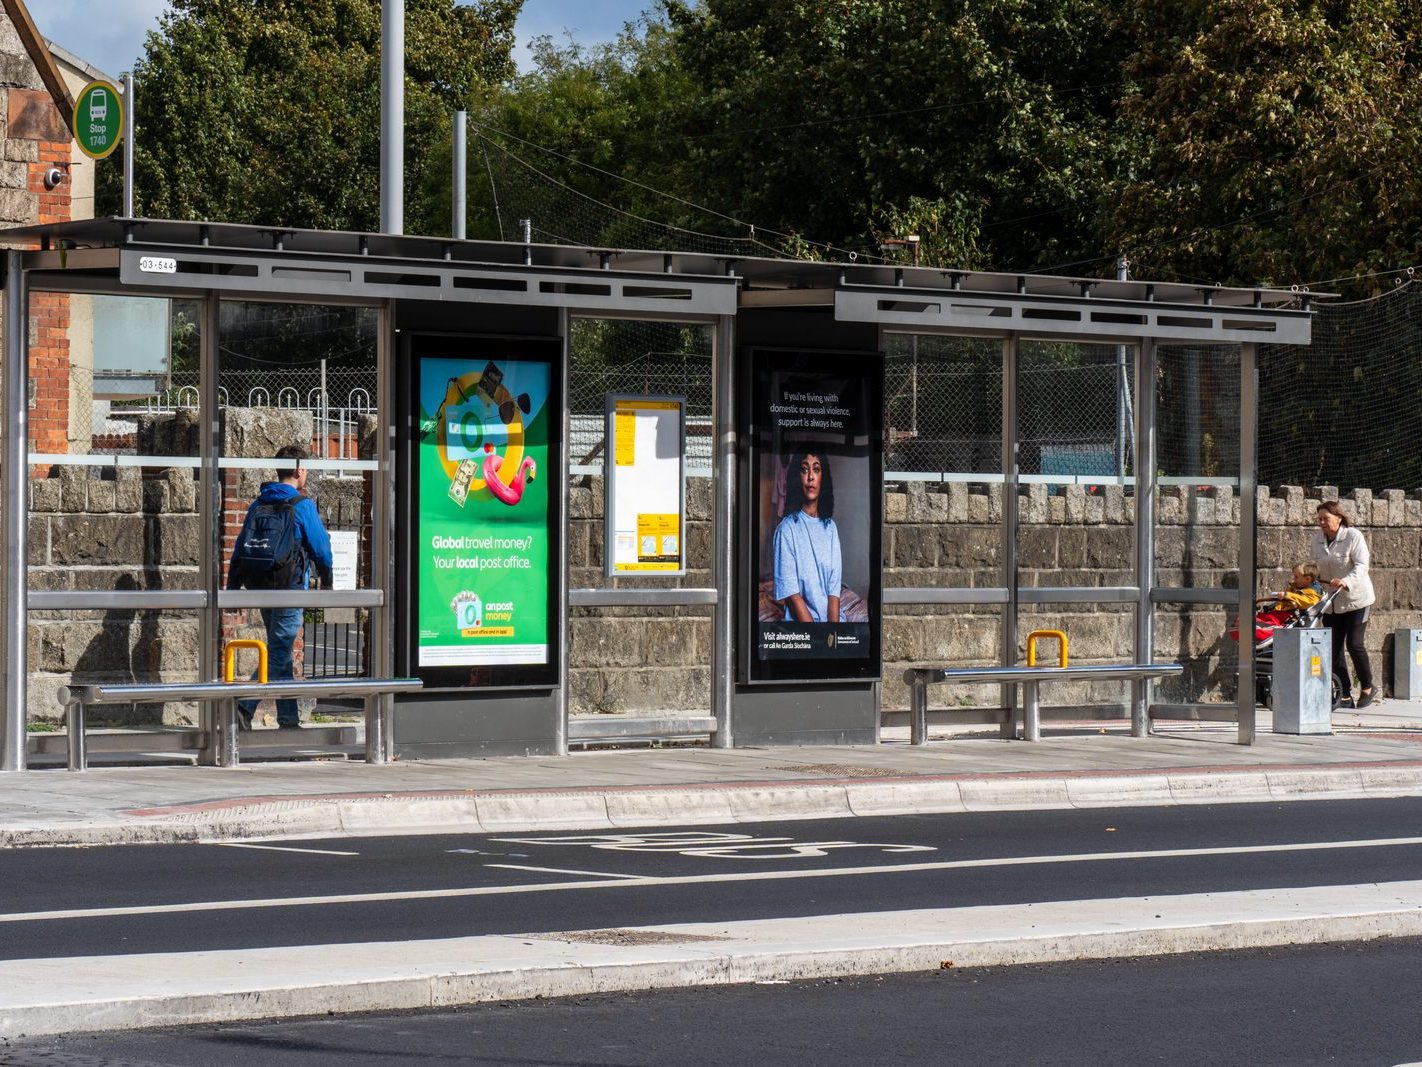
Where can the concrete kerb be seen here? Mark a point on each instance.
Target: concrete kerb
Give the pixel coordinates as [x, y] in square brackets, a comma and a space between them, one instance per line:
[616, 808]
[39, 997]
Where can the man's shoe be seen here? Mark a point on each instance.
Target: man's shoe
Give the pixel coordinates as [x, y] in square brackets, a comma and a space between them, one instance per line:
[1367, 696]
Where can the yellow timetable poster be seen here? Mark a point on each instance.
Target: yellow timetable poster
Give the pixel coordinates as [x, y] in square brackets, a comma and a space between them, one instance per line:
[646, 437]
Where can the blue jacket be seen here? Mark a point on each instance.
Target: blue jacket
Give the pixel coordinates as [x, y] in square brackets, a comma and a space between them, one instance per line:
[314, 539]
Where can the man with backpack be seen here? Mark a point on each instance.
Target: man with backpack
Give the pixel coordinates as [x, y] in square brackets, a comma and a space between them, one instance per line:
[282, 540]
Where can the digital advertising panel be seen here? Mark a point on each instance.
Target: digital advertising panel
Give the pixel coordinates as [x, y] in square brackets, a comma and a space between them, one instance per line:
[815, 482]
[484, 518]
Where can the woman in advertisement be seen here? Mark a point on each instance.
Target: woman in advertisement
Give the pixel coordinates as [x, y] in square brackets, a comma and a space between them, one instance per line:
[809, 568]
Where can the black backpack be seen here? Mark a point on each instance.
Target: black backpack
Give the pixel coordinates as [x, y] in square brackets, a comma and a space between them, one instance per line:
[269, 553]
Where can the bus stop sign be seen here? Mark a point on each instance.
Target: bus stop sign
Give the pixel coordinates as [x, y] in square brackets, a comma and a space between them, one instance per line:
[98, 119]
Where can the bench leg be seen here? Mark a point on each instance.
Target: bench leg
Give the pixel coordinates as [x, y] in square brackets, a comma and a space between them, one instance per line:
[224, 729]
[918, 713]
[74, 724]
[1031, 713]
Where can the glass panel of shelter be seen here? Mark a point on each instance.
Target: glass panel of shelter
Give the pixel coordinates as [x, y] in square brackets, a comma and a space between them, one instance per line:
[304, 375]
[943, 486]
[1075, 529]
[1197, 521]
[114, 533]
[627, 658]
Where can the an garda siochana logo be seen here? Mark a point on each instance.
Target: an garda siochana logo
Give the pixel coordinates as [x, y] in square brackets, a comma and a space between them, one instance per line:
[468, 612]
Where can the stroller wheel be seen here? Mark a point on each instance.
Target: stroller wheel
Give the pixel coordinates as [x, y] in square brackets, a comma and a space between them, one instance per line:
[1339, 688]
[1263, 690]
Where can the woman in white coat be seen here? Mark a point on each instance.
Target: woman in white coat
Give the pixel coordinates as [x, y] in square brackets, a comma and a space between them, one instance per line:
[1342, 556]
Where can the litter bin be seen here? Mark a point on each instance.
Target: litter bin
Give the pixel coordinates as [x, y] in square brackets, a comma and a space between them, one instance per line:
[1407, 664]
[1303, 683]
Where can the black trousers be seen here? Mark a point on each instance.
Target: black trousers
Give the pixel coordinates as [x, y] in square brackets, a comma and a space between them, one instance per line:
[1350, 629]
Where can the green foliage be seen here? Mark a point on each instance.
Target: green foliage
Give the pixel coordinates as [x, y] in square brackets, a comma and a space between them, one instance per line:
[268, 111]
[599, 114]
[985, 125]
[1237, 141]
[1276, 139]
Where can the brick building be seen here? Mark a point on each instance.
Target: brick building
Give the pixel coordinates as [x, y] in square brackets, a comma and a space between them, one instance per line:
[38, 83]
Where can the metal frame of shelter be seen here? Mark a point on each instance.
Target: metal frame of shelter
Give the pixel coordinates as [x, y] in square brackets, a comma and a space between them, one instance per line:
[210, 262]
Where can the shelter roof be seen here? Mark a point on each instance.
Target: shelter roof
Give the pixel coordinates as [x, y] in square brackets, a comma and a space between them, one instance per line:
[755, 275]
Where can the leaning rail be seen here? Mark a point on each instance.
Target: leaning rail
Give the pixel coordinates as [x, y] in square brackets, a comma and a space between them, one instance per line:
[219, 701]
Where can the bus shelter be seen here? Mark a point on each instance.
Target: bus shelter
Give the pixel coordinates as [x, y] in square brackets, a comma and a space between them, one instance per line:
[469, 422]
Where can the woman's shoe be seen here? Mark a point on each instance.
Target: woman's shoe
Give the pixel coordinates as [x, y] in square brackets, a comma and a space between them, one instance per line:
[1367, 696]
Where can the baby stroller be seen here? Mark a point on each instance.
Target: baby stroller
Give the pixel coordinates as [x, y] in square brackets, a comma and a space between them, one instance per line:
[1267, 620]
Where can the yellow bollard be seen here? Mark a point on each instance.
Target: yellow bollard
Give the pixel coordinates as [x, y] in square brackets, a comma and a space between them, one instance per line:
[1032, 646]
[229, 658]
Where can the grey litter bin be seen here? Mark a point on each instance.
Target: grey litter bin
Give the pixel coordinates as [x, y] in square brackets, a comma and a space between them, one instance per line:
[1407, 664]
[1303, 681]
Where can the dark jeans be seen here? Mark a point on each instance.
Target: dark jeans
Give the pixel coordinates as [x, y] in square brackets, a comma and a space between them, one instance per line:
[1350, 628]
[283, 624]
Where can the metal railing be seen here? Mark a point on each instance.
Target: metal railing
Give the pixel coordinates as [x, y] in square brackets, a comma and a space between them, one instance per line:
[219, 701]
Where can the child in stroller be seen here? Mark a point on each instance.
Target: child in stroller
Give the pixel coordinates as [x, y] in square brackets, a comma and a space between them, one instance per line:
[1302, 604]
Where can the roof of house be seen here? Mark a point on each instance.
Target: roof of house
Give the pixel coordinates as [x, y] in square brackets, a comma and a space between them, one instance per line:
[39, 54]
[79, 63]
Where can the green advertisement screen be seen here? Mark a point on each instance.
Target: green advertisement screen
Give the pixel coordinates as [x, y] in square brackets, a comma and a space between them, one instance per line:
[483, 532]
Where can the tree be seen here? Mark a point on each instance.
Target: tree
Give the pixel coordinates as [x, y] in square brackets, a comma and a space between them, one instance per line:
[983, 125]
[1276, 139]
[578, 144]
[268, 111]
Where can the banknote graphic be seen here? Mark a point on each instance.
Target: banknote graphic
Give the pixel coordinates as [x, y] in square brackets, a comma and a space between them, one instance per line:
[463, 476]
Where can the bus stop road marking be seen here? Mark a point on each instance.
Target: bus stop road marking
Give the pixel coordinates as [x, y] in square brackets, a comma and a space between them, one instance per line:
[636, 881]
[285, 848]
[561, 870]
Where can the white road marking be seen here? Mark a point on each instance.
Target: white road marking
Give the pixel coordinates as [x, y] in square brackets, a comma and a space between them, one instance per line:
[712, 845]
[561, 870]
[285, 848]
[696, 879]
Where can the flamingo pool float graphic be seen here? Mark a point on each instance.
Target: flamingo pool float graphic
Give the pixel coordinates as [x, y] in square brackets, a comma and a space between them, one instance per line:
[511, 493]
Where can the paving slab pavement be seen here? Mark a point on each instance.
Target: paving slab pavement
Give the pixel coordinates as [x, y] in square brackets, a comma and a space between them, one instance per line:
[1376, 752]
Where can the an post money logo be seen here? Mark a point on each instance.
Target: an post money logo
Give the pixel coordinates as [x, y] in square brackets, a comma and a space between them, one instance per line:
[468, 613]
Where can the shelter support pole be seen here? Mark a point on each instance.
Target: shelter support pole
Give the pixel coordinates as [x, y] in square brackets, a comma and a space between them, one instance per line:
[380, 709]
[392, 116]
[723, 678]
[14, 476]
[1146, 372]
[1248, 523]
[219, 715]
[562, 564]
[1010, 451]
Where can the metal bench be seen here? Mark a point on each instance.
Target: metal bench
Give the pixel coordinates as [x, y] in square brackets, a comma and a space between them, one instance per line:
[920, 678]
[219, 700]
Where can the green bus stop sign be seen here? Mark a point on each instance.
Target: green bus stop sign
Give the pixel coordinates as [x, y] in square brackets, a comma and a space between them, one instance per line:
[98, 119]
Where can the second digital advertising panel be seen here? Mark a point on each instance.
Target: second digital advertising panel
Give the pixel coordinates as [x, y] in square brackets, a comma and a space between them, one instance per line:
[815, 484]
[483, 606]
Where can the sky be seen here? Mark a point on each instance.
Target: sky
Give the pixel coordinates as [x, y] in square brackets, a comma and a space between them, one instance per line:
[109, 33]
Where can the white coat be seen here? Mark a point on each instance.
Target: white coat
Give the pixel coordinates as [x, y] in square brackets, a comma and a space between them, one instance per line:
[1346, 558]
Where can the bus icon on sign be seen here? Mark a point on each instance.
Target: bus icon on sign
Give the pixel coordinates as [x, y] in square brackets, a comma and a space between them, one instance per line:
[98, 106]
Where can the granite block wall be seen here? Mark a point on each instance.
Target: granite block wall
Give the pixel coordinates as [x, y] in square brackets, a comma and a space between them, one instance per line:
[106, 528]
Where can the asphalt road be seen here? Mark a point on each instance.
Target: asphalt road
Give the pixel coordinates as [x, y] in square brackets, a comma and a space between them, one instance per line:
[1331, 1004]
[74, 902]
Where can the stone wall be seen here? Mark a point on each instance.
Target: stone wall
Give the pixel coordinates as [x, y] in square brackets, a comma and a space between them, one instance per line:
[101, 528]
[130, 528]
